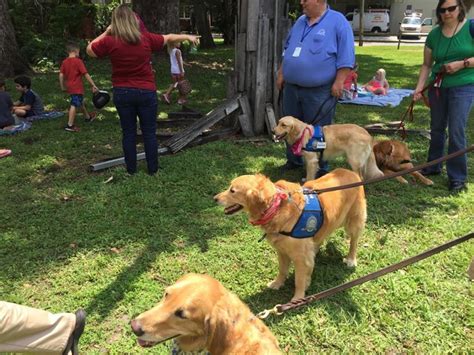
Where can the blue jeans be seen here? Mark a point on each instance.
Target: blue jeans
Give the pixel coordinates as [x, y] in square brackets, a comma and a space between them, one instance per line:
[131, 103]
[450, 110]
[304, 104]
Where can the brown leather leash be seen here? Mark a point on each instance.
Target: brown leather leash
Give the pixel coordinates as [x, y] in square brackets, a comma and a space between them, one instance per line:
[409, 111]
[281, 308]
[392, 175]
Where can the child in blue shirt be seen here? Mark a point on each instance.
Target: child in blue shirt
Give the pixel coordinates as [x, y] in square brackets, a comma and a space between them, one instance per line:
[29, 104]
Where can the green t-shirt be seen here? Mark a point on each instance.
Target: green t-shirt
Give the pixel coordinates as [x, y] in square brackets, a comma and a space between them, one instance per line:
[461, 47]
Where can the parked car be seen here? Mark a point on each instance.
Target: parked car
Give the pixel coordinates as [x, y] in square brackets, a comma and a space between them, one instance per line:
[375, 20]
[413, 26]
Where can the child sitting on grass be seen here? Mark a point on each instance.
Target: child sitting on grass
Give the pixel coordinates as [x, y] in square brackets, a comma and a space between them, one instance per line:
[7, 120]
[70, 79]
[379, 84]
[29, 104]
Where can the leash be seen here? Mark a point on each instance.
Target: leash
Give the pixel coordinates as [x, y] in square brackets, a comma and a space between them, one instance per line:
[281, 308]
[392, 175]
[409, 111]
[315, 119]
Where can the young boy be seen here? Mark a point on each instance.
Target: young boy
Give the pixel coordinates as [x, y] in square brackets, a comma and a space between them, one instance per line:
[6, 104]
[30, 103]
[70, 78]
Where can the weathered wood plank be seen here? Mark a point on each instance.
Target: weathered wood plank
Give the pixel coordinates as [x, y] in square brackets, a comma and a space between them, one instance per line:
[261, 82]
[270, 118]
[246, 126]
[253, 8]
[241, 61]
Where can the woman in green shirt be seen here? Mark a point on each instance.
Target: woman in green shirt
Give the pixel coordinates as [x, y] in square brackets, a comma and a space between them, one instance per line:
[449, 61]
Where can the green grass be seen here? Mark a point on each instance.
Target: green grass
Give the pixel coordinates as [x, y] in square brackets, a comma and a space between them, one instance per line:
[69, 240]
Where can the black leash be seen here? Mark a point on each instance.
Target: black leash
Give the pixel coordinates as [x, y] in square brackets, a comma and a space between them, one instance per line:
[280, 308]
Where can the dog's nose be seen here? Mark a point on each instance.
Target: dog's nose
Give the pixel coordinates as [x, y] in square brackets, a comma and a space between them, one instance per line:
[137, 329]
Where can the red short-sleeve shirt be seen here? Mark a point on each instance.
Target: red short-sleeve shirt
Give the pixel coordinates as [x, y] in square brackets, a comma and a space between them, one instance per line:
[73, 69]
[131, 66]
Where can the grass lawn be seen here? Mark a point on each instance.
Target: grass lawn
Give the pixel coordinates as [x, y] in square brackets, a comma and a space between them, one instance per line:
[69, 240]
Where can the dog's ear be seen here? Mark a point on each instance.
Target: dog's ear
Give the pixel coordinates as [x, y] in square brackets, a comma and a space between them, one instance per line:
[387, 148]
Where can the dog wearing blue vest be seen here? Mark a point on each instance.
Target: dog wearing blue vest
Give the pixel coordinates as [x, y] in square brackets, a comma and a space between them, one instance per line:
[330, 141]
[278, 208]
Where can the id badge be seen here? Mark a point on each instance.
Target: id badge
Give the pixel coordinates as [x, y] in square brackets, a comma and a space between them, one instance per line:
[297, 52]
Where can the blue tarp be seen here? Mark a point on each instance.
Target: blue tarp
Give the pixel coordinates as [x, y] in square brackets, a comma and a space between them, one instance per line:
[393, 98]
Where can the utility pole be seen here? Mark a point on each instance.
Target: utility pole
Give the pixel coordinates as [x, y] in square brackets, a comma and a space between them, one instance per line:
[361, 23]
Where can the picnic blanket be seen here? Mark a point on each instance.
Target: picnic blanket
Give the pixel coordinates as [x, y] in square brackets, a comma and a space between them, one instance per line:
[23, 126]
[392, 99]
[47, 115]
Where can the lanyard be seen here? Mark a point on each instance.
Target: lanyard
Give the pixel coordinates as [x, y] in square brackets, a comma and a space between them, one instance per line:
[306, 31]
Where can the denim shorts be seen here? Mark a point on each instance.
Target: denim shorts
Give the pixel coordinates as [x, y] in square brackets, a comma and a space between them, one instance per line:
[76, 100]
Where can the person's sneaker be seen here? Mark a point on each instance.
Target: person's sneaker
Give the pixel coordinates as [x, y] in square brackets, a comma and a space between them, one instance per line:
[73, 341]
[92, 117]
[166, 98]
[457, 186]
[71, 128]
[426, 172]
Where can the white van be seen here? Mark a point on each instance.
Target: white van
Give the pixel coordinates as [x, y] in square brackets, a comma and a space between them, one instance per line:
[375, 20]
[413, 26]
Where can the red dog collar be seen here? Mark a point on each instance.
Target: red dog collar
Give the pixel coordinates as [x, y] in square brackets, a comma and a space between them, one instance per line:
[297, 147]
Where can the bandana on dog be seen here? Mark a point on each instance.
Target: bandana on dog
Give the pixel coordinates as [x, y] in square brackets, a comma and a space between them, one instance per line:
[271, 211]
[297, 147]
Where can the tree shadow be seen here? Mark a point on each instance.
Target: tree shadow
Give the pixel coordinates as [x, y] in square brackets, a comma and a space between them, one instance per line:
[329, 271]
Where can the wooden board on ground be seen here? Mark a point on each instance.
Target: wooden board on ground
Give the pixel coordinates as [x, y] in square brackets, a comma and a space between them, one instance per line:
[181, 139]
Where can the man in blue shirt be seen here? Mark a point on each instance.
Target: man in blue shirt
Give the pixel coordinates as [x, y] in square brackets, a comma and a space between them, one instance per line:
[317, 57]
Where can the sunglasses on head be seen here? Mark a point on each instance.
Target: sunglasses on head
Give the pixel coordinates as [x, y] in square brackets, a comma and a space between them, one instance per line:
[443, 10]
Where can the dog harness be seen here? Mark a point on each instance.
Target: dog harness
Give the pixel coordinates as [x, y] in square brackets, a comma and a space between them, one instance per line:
[311, 218]
[316, 142]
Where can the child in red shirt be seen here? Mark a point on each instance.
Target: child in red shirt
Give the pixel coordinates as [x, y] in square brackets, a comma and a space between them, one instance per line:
[349, 91]
[70, 78]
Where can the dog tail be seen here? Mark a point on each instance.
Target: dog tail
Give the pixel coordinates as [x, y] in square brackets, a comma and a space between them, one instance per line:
[370, 169]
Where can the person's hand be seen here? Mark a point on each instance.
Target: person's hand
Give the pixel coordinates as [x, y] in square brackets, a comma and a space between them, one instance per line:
[336, 89]
[280, 82]
[417, 95]
[94, 89]
[453, 67]
[194, 39]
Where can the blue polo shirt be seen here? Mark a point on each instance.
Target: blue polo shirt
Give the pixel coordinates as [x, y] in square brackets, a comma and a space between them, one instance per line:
[326, 46]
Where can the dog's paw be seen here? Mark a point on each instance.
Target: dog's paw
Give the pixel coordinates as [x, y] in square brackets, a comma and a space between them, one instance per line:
[350, 262]
[275, 284]
[297, 297]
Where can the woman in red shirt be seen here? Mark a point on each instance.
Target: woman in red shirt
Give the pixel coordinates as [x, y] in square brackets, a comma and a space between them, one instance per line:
[133, 81]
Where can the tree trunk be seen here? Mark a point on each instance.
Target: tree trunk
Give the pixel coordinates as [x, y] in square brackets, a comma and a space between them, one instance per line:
[201, 14]
[11, 63]
[162, 18]
[228, 26]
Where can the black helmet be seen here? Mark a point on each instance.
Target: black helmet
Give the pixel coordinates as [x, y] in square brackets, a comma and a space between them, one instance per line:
[100, 99]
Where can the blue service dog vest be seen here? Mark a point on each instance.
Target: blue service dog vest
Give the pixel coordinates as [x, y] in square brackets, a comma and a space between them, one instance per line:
[311, 219]
[316, 142]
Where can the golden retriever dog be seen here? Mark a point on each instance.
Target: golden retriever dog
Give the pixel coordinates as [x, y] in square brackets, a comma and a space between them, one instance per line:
[201, 314]
[350, 140]
[254, 194]
[393, 156]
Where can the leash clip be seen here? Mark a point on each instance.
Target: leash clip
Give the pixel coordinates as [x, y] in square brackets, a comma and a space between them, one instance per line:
[275, 310]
